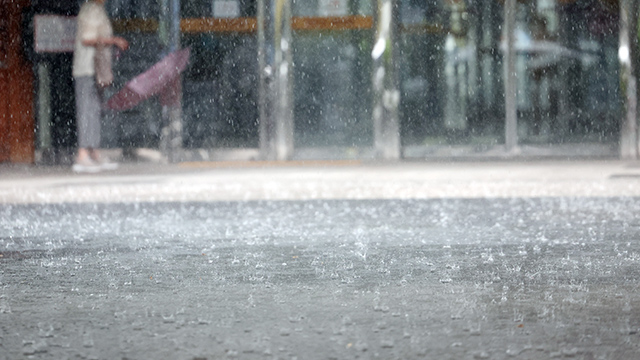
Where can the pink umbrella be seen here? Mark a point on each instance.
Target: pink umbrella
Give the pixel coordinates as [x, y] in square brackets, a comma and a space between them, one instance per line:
[150, 82]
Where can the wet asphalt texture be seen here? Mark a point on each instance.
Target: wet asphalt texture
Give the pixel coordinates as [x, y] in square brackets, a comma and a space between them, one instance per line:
[513, 278]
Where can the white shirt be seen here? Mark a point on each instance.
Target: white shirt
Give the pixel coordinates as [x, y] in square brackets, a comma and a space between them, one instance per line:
[93, 23]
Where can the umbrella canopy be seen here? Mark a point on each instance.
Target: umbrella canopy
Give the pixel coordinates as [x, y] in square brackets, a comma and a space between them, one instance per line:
[150, 82]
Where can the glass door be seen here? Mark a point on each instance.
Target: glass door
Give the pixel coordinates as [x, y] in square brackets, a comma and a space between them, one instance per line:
[220, 88]
[332, 73]
[451, 73]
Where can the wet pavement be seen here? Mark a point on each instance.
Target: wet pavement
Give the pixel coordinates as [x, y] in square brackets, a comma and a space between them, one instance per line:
[502, 260]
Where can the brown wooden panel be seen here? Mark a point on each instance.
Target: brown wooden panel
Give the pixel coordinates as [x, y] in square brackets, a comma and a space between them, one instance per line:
[423, 29]
[332, 23]
[247, 25]
[188, 25]
[218, 25]
[4, 122]
[4, 86]
[17, 119]
[23, 120]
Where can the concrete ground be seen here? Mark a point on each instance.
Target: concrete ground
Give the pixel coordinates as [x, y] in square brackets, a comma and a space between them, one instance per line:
[322, 260]
[304, 180]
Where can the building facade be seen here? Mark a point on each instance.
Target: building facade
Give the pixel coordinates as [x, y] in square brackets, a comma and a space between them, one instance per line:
[385, 79]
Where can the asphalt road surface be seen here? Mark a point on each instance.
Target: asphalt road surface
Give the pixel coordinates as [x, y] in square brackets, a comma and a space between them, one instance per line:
[451, 278]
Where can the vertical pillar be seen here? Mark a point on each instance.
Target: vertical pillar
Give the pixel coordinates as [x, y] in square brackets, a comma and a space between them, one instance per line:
[275, 94]
[44, 107]
[283, 98]
[474, 69]
[510, 79]
[265, 73]
[386, 96]
[494, 82]
[567, 38]
[626, 52]
[171, 97]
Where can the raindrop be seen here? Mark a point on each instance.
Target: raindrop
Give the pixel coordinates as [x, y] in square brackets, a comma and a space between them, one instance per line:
[87, 341]
[169, 319]
[481, 355]
[387, 344]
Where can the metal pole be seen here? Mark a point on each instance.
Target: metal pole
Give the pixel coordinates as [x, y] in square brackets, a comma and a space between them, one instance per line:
[44, 106]
[264, 72]
[635, 60]
[385, 84]
[283, 109]
[567, 38]
[171, 97]
[626, 51]
[175, 26]
[510, 78]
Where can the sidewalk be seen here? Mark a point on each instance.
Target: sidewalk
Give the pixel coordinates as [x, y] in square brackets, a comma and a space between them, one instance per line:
[232, 181]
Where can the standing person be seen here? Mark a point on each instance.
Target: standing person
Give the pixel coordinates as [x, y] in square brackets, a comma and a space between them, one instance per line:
[92, 73]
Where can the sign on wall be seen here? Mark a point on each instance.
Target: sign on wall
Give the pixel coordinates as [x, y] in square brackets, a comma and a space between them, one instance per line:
[54, 33]
[226, 9]
[333, 7]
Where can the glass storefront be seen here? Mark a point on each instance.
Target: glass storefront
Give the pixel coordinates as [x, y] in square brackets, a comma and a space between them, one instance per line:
[449, 65]
[451, 72]
[220, 91]
[220, 88]
[220, 85]
[138, 23]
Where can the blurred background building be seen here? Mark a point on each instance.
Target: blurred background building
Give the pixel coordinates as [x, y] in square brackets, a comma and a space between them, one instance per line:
[283, 79]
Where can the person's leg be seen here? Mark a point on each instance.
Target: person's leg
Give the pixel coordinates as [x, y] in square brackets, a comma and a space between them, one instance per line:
[94, 153]
[88, 108]
[83, 155]
[88, 122]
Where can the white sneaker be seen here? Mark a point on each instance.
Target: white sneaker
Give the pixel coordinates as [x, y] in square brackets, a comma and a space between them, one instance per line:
[85, 166]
